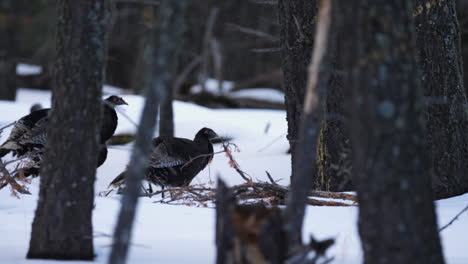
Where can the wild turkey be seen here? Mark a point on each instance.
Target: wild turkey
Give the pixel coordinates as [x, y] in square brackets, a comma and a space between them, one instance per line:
[31, 130]
[30, 133]
[34, 166]
[176, 161]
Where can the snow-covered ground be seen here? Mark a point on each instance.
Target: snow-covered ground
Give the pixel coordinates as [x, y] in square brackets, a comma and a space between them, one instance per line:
[182, 234]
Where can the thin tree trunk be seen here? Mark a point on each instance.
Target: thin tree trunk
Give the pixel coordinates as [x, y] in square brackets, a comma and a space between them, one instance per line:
[397, 222]
[441, 67]
[297, 21]
[166, 122]
[62, 227]
[164, 62]
[8, 47]
[334, 161]
[307, 144]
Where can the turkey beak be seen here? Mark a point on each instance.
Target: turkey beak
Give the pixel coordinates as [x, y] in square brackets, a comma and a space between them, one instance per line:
[215, 137]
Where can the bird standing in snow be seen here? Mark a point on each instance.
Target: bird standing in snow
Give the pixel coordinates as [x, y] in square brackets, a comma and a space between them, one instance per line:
[29, 135]
[176, 161]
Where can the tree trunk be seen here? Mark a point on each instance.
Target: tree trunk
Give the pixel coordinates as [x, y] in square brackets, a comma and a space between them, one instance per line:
[297, 21]
[334, 161]
[164, 61]
[62, 226]
[166, 120]
[441, 67]
[462, 14]
[8, 46]
[397, 222]
[305, 166]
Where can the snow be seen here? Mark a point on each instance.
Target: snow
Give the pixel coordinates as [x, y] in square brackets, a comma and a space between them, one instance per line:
[183, 234]
[28, 69]
[264, 94]
[212, 86]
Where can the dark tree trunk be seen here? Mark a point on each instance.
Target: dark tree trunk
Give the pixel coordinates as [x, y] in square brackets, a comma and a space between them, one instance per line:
[305, 166]
[8, 46]
[62, 226]
[441, 67]
[164, 60]
[462, 14]
[166, 120]
[297, 21]
[334, 151]
[397, 222]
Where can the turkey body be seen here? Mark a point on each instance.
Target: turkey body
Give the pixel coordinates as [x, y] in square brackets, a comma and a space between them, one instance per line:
[29, 135]
[176, 161]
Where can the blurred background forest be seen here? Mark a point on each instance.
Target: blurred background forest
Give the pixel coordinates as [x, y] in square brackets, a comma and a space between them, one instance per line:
[225, 40]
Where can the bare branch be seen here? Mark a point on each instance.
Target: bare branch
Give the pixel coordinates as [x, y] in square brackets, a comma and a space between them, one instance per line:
[9, 125]
[453, 219]
[252, 31]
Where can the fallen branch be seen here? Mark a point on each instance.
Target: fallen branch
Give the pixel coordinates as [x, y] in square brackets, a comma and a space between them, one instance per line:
[453, 219]
[247, 193]
[7, 179]
[233, 163]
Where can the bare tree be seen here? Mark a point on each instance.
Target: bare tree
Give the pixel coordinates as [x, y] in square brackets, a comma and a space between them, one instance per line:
[8, 47]
[334, 153]
[308, 136]
[441, 69]
[297, 20]
[164, 62]
[166, 121]
[69, 167]
[397, 222]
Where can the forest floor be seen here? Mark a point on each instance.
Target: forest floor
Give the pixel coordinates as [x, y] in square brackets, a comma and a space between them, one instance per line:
[168, 233]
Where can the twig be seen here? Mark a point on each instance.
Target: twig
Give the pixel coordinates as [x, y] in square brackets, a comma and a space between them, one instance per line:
[9, 125]
[312, 201]
[270, 178]
[453, 219]
[126, 117]
[252, 31]
[200, 156]
[272, 142]
[8, 179]
[233, 163]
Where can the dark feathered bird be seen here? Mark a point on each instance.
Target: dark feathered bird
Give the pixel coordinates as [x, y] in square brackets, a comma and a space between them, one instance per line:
[30, 133]
[176, 161]
[31, 130]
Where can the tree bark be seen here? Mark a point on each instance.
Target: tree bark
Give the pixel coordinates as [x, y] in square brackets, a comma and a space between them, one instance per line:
[462, 15]
[8, 48]
[177, 29]
[441, 68]
[62, 227]
[164, 60]
[309, 130]
[297, 22]
[334, 161]
[397, 222]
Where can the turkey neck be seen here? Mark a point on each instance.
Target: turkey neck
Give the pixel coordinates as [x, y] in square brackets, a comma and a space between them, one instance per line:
[204, 143]
[109, 122]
